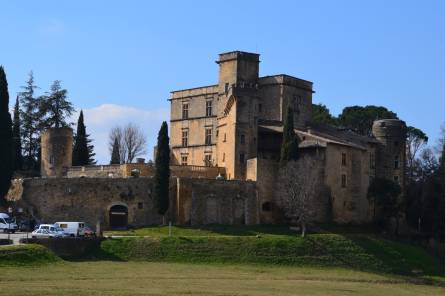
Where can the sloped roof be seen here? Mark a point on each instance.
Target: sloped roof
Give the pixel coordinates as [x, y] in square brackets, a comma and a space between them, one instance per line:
[318, 134]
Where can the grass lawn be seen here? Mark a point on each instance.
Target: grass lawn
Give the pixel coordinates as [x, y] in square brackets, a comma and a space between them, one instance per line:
[150, 278]
[206, 231]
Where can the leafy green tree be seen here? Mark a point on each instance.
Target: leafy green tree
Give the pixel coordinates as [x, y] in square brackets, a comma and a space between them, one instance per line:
[31, 122]
[385, 194]
[322, 115]
[6, 140]
[360, 119]
[18, 157]
[115, 154]
[289, 146]
[55, 109]
[162, 172]
[83, 150]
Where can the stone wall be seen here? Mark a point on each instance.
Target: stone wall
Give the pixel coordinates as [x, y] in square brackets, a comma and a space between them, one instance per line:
[88, 199]
[349, 203]
[265, 173]
[217, 202]
[192, 201]
[95, 171]
[145, 170]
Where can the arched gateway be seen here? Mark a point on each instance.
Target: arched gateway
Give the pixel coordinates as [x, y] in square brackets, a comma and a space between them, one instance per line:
[118, 216]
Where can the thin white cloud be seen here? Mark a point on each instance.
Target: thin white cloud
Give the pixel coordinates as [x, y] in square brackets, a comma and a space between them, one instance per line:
[99, 120]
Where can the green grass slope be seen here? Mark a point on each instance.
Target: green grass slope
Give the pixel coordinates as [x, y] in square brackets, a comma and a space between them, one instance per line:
[26, 255]
[357, 251]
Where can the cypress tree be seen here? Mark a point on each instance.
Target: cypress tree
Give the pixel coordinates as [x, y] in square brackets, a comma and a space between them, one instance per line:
[162, 173]
[18, 157]
[115, 154]
[289, 146]
[82, 151]
[6, 141]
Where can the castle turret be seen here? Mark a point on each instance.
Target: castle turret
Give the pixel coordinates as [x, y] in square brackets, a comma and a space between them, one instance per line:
[390, 158]
[57, 150]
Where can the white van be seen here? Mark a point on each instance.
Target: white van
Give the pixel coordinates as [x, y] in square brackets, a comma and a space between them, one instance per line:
[7, 224]
[72, 228]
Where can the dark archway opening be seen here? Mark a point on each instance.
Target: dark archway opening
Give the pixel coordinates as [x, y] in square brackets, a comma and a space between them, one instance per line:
[118, 217]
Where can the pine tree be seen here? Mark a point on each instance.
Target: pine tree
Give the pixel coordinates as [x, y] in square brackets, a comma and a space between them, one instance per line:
[162, 173]
[6, 141]
[55, 109]
[18, 157]
[289, 146]
[30, 120]
[115, 154]
[83, 151]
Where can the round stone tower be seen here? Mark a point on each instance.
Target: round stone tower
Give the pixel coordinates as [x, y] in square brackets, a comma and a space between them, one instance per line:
[57, 151]
[390, 154]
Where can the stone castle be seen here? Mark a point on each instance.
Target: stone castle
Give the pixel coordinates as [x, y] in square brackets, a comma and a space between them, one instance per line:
[231, 129]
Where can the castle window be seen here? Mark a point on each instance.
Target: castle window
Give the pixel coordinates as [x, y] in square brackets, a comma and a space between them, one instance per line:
[243, 139]
[372, 160]
[260, 108]
[225, 137]
[241, 158]
[224, 157]
[185, 138]
[185, 111]
[208, 160]
[396, 162]
[226, 88]
[396, 179]
[140, 205]
[209, 108]
[184, 159]
[208, 136]
[343, 159]
[343, 181]
[51, 159]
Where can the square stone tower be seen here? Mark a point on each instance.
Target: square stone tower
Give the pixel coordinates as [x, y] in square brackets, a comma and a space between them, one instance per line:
[237, 116]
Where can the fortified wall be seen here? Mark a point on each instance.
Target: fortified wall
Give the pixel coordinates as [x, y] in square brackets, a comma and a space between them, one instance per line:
[122, 202]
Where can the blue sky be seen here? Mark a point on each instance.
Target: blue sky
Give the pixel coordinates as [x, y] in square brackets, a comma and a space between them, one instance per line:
[120, 59]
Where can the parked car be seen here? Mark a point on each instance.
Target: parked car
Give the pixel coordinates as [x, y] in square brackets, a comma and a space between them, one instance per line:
[52, 228]
[88, 232]
[44, 233]
[7, 224]
[72, 228]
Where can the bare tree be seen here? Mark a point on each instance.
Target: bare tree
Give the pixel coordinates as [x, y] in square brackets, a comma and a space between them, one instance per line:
[297, 187]
[416, 140]
[131, 140]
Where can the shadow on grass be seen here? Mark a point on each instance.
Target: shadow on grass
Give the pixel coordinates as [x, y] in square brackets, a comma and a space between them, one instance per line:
[242, 230]
[399, 258]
